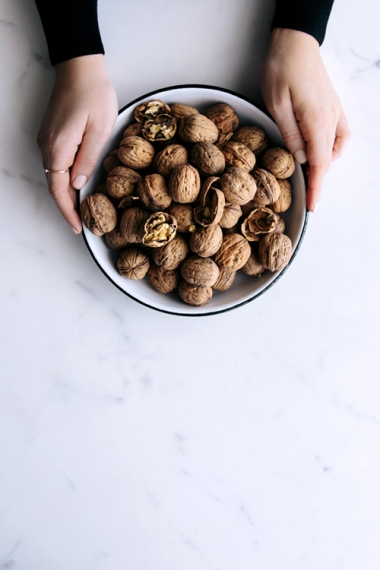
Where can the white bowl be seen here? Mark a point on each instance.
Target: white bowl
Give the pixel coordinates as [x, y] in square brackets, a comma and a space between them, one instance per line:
[245, 288]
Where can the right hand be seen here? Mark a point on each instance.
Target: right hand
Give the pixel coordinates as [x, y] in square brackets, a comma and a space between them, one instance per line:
[79, 119]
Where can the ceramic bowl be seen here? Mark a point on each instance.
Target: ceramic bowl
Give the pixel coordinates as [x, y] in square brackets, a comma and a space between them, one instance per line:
[244, 289]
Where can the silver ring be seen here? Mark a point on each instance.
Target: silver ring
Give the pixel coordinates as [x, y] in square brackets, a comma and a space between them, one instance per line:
[46, 170]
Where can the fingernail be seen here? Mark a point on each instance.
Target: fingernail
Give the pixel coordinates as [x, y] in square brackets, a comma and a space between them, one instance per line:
[315, 208]
[75, 230]
[79, 181]
[300, 156]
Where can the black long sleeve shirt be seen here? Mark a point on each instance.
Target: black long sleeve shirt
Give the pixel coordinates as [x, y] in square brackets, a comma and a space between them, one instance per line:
[71, 26]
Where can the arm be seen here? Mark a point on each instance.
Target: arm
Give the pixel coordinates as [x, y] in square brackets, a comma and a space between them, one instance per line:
[298, 92]
[83, 106]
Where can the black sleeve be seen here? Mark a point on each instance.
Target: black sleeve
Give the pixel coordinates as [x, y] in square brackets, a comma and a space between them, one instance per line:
[71, 28]
[310, 16]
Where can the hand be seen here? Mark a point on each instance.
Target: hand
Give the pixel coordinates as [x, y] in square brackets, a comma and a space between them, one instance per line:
[299, 95]
[79, 119]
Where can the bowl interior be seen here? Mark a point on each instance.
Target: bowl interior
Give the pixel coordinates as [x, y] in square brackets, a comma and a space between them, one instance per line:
[245, 288]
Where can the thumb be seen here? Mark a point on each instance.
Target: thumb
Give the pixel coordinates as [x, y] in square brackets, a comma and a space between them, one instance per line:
[86, 157]
[291, 133]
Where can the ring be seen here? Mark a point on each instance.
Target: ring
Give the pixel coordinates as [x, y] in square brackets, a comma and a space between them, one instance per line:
[46, 170]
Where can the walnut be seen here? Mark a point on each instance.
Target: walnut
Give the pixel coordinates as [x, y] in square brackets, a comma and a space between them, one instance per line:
[210, 206]
[101, 189]
[224, 117]
[153, 192]
[162, 128]
[98, 214]
[135, 152]
[150, 110]
[193, 295]
[279, 162]
[163, 280]
[208, 158]
[122, 181]
[259, 222]
[133, 130]
[249, 206]
[280, 226]
[275, 251]
[181, 110]
[200, 271]
[133, 264]
[237, 185]
[225, 280]
[198, 128]
[115, 239]
[284, 201]
[171, 255]
[268, 189]
[234, 252]
[111, 161]
[205, 242]
[231, 215]
[183, 213]
[132, 224]
[237, 154]
[184, 184]
[168, 158]
[159, 229]
[252, 136]
[128, 202]
[253, 266]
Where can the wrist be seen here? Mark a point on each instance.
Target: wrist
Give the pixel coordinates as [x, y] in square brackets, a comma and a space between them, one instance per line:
[288, 38]
[79, 66]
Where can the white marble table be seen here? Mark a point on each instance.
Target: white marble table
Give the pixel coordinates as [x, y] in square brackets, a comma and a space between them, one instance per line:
[134, 440]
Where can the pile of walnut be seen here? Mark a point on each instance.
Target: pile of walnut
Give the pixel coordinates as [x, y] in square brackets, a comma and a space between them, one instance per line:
[190, 199]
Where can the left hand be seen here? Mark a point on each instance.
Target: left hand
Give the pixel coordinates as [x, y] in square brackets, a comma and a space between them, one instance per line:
[301, 98]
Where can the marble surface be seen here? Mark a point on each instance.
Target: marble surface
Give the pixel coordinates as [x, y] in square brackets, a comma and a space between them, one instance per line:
[134, 440]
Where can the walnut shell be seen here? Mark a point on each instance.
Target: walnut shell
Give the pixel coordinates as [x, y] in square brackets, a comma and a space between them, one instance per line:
[162, 128]
[225, 280]
[200, 271]
[234, 252]
[159, 229]
[98, 214]
[183, 213]
[184, 184]
[171, 255]
[284, 201]
[259, 222]
[210, 206]
[133, 130]
[208, 159]
[153, 192]
[128, 202]
[133, 264]
[193, 295]
[132, 224]
[136, 152]
[168, 158]
[122, 181]
[275, 251]
[279, 162]
[237, 154]
[253, 266]
[115, 239]
[268, 189]
[163, 280]
[181, 110]
[252, 136]
[224, 117]
[111, 161]
[237, 185]
[231, 215]
[150, 110]
[198, 128]
[205, 242]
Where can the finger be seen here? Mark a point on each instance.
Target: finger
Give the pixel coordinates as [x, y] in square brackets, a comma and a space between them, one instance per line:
[319, 157]
[65, 198]
[342, 136]
[290, 131]
[87, 155]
